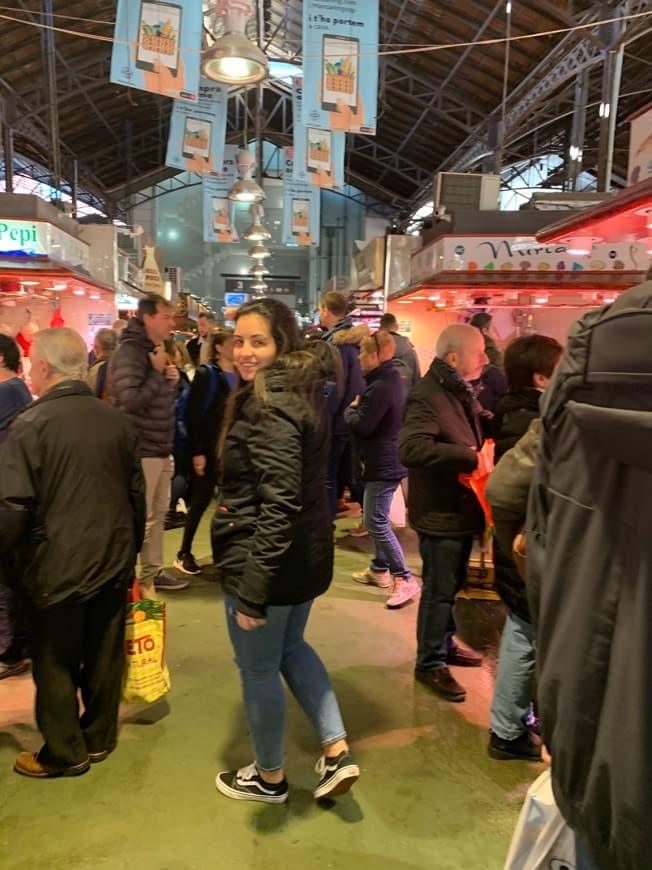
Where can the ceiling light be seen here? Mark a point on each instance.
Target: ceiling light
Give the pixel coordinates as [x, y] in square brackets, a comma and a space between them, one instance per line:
[580, 246]
[256, 232]
[648, 244]
[258, 270]
[94, 296]
[246, 190]
[78, 292]
[259, 286]
[60, 286]
[259, 252]
[29, 283]
[233, 58]
[541, 299]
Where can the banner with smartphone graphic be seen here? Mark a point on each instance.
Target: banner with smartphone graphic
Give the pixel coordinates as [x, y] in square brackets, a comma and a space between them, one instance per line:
[301, 206]
[198, 131]
[340, 65]
[218, 209]
[318, 152]
[157, 47]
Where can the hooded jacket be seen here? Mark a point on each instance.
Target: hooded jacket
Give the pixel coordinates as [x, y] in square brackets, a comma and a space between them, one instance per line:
[589, 529]
[272, 534]
[72, 503]
[346, 337]
[375, 424]
[512, 417]
[406, 353]
[439, 439]
[145, 395]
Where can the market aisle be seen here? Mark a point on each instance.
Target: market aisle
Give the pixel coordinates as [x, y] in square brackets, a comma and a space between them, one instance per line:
[429, 796]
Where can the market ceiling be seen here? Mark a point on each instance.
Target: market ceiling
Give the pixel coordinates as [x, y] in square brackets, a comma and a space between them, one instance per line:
[438, 110]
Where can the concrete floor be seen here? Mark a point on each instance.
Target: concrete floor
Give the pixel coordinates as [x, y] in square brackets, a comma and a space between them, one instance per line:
[429, 796]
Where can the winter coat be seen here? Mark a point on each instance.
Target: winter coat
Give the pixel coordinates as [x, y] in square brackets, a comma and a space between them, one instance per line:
[346, 337]
[512, 417]
[272, 534]
[492, 351]
[507, 493]
[589, 529]
[145, 395]
[205, 412]
[14, 396]
[72, 501]
[376, 422]
[440, 435]
[491, 387]
[406, 353]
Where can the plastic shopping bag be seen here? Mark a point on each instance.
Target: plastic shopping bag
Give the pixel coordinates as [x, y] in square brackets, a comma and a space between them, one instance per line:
[477, 480]
[542, 839]
[397, 509]
[147, 677]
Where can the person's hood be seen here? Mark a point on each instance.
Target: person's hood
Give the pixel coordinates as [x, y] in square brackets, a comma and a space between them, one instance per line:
[380, 371]
[135, 331]
[621, 435]
[351, 335]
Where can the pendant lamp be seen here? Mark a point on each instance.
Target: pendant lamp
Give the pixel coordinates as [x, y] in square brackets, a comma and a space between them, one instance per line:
[246, 190]
[256, 232]
[233, 58]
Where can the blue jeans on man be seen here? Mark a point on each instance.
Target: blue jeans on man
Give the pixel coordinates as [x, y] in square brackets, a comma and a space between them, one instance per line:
[388, 555]
[262, 656]
[511, 707]
[445, 562]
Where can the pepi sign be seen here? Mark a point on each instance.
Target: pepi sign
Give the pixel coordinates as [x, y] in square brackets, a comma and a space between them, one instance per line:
[24, 238]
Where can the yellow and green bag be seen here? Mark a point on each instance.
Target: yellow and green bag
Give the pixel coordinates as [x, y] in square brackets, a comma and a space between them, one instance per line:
[147, 677]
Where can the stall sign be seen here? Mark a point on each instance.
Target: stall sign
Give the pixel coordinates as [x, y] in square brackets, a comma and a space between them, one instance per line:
[519, 253]
[25, 238]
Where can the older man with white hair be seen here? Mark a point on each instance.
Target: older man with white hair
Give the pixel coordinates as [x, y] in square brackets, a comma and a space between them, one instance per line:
[72, 507]
[440, 440]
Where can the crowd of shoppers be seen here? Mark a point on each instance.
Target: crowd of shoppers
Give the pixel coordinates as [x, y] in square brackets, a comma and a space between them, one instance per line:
[269, 418]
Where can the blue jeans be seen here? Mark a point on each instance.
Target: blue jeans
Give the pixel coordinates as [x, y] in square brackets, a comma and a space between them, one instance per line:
[511, 704]
[388, 555]
[262, 655]
[583, 860]
[445, 561]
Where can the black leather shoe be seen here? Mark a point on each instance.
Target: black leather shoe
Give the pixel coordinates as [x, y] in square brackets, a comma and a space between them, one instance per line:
[442, 682]
[524, 748]
[463, 658]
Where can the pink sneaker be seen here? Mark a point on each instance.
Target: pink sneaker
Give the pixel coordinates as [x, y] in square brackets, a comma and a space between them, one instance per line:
[405, 590]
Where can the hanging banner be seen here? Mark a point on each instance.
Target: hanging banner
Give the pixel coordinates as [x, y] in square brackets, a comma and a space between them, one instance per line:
[218, 210]
[340, 64]
[318, 152]
[157, 47]
[301, 207]
[197, 131]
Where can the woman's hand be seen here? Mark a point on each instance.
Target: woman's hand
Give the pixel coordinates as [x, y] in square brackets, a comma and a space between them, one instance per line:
[248, 623]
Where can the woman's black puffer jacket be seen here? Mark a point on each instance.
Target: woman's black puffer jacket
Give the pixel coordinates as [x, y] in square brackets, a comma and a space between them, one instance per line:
[272, 535]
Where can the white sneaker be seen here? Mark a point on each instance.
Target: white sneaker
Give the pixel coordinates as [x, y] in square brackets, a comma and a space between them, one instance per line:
[405, 589]
[373, 578]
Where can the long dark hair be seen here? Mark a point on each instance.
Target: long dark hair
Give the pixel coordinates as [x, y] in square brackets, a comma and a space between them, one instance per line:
[304, 371]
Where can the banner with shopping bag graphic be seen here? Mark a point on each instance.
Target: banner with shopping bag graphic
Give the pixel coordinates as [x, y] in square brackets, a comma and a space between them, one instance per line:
[147, 677]
[301, 207]
[157, 47]
[340, 65]
[198, 131]
[318, 152]
[218, 209]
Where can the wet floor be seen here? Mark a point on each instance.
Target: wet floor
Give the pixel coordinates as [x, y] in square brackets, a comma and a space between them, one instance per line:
[429, 796]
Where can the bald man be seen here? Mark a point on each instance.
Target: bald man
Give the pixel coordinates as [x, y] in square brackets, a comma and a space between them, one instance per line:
[439, 440]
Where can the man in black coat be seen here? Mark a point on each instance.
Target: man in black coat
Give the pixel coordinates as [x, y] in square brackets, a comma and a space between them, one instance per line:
[143, 383]
[201, 341]
[439, 441]
[346, 336]
[72, 509]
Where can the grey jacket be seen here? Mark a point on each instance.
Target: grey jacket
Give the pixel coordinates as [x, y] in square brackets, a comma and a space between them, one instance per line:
[144, 394]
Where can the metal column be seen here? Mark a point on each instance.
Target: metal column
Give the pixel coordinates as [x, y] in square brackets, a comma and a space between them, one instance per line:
[612, 69]
[8, 118]
[51, 73]
[578, 130]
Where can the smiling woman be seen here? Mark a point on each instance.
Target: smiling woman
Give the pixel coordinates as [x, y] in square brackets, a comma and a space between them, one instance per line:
[273, 542]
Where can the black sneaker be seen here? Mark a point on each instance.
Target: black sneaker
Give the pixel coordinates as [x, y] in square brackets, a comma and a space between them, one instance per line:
[247, 784]
[186, 562]
[337, 775]
[169, 582]
[524, 748]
